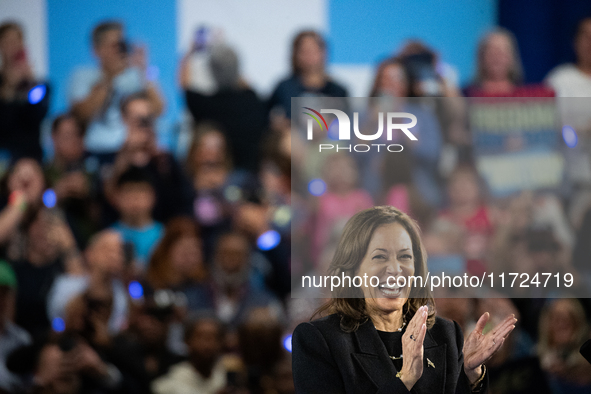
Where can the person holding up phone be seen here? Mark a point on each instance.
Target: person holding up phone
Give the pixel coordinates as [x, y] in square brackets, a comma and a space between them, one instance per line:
[95, 94]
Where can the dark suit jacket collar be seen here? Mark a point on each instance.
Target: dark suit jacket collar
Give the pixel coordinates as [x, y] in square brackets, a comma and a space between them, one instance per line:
[379, 368]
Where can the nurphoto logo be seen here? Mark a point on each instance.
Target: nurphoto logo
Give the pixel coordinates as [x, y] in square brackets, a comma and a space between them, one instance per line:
[344, 124]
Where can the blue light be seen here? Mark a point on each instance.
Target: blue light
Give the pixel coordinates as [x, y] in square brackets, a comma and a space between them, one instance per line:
[268, 240]
[333, 130]
[287, 343]
[152, 73]
[135, 290]
[317, 187]
[49, 198]
[569, 135]
[58, 324]
[37, 93]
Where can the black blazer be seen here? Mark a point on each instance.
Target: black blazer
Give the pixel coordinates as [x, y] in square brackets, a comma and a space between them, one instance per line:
[328, 360]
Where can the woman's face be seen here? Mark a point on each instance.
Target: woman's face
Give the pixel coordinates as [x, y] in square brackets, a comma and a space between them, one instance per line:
[463, 188]
[11, 45]
[389, 254]
[393, 81]
[563, 325]
[27, 176]
[310, 56]
[498, 57]
[211, 149]
[186, 255]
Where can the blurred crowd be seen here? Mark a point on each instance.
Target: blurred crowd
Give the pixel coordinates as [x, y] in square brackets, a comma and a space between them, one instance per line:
[128, 269]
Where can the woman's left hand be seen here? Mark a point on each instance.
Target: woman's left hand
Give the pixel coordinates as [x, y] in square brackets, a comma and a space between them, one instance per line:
[478, 348]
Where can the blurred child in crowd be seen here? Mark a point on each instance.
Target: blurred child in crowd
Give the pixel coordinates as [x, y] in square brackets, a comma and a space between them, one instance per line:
[342, 199]
[467, 208]
[135, 199]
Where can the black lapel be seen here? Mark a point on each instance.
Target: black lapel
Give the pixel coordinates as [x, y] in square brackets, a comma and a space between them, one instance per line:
[372, 355]
[377, 365]
[434, 367]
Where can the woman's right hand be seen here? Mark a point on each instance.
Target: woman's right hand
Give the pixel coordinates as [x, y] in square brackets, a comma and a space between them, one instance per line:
[412, 348]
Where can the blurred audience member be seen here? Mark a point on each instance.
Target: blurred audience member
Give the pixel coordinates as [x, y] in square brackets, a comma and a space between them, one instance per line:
[141, 353]
[582, 249]
[135, 199]
[235, 287]
[49, 251]
[427, 75]
[514, 369]
[21, 190]
[563, 328]
[177, 262]
[342, 199]
[499, 72]
[71, 177]
[308, 76]
[174, 194]
[391, 80]
[11, 335]
[210, 167]
[205, 371]
[95, 93]
[195, 69]
[23, 100]
[574, 80]
[467, 208]
[236, 108]
[260, 347]
[105, 263]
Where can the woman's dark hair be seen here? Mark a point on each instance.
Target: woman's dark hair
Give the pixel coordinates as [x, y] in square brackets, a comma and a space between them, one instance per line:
[8, 26]
[349, 254]
[380, 71]
[200, 131]
[99, 31]
[58, 120]
[297, 42]
[578, 28]
[516, 70]
[160, 269]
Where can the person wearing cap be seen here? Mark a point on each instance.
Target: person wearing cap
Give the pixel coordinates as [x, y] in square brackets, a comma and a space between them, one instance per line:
[11, 335]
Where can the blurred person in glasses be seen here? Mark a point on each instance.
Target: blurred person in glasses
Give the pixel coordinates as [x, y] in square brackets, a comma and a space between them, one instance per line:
[174, 193]
[95, 93]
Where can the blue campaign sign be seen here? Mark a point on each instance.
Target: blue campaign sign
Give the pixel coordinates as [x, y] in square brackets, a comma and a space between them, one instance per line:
[517, 143]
